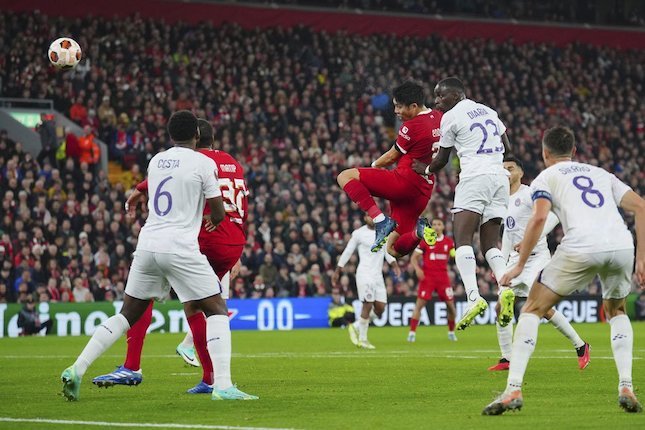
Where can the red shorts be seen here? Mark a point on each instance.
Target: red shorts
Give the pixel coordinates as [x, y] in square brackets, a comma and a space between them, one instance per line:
[221, 257]
[407, 201]
[444, 290]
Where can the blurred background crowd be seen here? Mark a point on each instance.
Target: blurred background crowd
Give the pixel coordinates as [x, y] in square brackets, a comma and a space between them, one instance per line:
[295, 107]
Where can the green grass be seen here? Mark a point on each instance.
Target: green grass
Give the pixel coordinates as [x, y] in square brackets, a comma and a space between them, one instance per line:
[315, 379]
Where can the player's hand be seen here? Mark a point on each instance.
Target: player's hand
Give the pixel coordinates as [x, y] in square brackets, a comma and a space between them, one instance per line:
[132, 203]
[420, 275]
[396, 269]
[510, 275]
[208, 224]
[419, 167]
[640, 272]
[235, 270]
[336, 276]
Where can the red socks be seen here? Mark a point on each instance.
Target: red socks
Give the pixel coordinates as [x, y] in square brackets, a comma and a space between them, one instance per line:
[197, 325]
[361, 196]
[136, 336]
[413, 324]
[406, 243]
[451, 325]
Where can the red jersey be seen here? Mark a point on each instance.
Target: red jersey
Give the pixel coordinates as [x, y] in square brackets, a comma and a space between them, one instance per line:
[419, 139]
[234, 196]
[436, 257]
[230, 176]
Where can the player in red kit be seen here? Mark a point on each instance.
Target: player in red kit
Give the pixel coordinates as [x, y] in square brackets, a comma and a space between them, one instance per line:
[407, 192]
[222, 247]
[430, 263]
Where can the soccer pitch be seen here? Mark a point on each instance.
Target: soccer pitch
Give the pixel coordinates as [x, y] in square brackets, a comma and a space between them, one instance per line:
[316, 379]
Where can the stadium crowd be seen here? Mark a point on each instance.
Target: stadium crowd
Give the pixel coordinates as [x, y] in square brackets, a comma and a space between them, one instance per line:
[621, 12]
[293, 108]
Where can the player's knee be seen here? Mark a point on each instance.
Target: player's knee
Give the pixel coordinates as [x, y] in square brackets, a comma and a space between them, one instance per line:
[347, 175]
[613, 308]
[379, 308]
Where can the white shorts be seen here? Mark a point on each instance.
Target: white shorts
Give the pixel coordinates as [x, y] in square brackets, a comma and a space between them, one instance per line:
[371, 290]
[523, 283]
[569, 272]
[153, 273]
[225, 282]
[486, 195]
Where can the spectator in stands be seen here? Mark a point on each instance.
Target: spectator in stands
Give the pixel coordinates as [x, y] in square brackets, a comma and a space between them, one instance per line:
[90, 152]
[640, 307]
[78, 112]
[48, 140]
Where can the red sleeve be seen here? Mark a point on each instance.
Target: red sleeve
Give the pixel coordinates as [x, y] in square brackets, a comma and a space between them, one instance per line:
[142, 187]
[404, 140]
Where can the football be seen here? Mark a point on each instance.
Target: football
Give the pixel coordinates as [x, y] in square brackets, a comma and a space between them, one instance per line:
[64, 53]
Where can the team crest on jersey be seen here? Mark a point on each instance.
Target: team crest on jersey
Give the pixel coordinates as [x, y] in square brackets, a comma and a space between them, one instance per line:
[518, 202]
[510, 222]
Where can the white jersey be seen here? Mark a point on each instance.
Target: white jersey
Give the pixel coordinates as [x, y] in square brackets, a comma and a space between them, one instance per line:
[475, 130]
[585, 198]
[179, 180]
[518, 214]
[370, 263]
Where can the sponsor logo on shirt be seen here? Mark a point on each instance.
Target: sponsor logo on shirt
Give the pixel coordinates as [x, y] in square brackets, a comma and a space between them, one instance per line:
[436, 132]
[403, 133]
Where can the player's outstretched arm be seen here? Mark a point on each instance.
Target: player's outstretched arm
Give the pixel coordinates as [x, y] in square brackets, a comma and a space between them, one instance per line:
[217, 214]
[387, 159]
[435, 165]
[632, 202]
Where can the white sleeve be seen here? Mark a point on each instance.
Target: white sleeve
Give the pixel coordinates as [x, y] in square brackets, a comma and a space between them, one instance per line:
[389, 258]
[551, 221]
[349, 250]
[448, 131]
[618, 189]
[501, 128]
[210, 185]
[540, 187]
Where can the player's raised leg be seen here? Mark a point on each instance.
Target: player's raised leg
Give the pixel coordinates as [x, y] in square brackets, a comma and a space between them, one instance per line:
[350, 181]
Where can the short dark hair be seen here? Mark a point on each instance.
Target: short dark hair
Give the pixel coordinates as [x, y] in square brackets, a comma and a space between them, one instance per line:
[559, 140]
[409, 92]
[182, 126]
[205, 133]
[453, 83]
[511, 159]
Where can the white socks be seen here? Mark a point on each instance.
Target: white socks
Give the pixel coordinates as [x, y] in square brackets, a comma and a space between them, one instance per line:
[523, 346]
[622, 342]
[362, 325]
[560, 322]
[505, 339]
[188, 339]
[467, 266]
[103, 338]
[496, 262]
[218, 342]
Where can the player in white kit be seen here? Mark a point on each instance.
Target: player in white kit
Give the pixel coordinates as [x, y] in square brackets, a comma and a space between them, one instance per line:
[167, 255]
[481, 197]
[596, 242]
[369, 279]
[518, 214]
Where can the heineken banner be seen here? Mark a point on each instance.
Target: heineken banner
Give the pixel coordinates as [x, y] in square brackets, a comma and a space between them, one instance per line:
[74, 319]
[577, 309]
